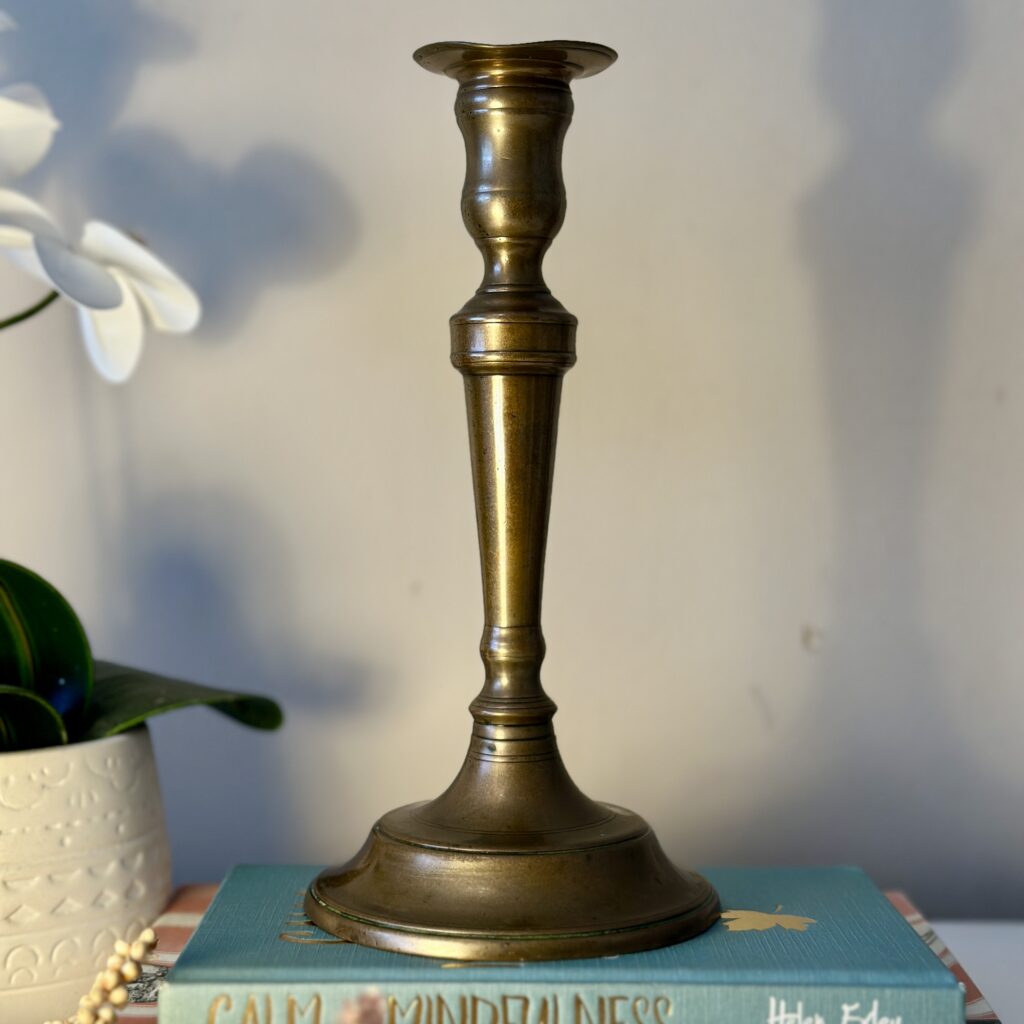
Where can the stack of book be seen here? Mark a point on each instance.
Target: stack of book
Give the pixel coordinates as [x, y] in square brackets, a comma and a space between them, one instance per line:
[797, 946]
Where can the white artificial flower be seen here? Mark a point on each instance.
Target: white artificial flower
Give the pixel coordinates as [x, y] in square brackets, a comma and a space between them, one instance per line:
[116, 283]
[27, 124]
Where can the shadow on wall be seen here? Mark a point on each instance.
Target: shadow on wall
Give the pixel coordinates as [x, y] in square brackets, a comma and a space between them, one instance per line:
[277, 216]
[208, 596]
[86, 57]
[193, 583]
[894, 786]
[274, 218]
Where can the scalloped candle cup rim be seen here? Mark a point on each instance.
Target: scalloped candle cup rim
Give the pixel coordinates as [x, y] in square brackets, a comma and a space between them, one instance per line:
[582, 58]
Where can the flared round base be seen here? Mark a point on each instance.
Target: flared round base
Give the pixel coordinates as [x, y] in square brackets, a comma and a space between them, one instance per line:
[603, 889]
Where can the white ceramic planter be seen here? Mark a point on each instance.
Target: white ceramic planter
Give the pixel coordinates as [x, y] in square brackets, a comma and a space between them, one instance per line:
[84, 861]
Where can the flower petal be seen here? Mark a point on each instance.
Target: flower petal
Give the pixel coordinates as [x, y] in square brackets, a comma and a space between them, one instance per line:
[113, 337]
[78, 277]
[21, 219]
[168, 300]
[27, 126]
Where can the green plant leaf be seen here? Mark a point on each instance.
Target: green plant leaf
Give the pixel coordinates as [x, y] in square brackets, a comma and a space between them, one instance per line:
[124, 697]
[28, 722]
[43, 647]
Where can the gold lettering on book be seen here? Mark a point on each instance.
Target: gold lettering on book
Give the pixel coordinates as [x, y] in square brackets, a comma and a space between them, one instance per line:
[395, 1011]
[613, 1009]
[298, 1013]
[519, 1008]
[446, 1015]
[508, 1016]
[475, 1017]
[581, 1014]
[221, 1001]
[548, 1011]
[252, 1011]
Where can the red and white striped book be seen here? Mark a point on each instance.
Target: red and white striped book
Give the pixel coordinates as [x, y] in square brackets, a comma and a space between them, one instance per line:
[174, 927]
[977, 1006]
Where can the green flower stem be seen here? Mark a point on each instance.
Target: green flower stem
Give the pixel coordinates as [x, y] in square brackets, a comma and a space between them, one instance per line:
[25, 314]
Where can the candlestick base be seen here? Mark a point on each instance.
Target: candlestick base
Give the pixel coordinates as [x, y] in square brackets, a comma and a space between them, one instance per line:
[603, 889]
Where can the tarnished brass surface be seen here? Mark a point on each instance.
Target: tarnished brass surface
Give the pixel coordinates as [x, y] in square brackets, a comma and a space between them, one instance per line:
[512, 861]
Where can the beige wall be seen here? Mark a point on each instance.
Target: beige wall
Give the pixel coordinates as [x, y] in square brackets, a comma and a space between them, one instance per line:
[786, 575]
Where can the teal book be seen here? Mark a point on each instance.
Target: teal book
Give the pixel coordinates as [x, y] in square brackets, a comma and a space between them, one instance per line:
[794, 946]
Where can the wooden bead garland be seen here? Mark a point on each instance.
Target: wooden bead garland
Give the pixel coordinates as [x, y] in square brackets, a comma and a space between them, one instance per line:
[109, 992]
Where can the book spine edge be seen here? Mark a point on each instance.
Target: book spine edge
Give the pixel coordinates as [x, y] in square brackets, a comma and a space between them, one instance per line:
[538, 1003]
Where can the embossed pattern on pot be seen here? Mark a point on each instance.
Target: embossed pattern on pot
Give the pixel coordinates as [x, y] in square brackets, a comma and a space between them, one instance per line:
[84, 860]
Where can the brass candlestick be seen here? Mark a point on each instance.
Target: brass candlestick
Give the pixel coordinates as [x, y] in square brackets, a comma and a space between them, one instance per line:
[512, 861]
